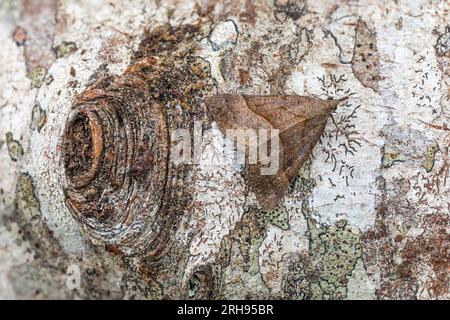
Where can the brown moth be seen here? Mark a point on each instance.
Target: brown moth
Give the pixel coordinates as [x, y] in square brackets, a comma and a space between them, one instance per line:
[300, 121]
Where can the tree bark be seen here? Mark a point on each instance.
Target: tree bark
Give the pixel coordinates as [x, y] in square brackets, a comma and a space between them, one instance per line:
[366, 217]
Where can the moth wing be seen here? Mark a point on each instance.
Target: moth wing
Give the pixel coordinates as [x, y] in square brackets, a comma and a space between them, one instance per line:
[284, 112]
[300, 121]
[270, 189]
[232, 112]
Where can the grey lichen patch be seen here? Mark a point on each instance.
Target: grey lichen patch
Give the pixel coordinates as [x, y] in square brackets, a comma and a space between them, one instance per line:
[430, 155]
[98, 284]
[14, 7]
[292, 9]
[38, 118]
[65, 48]
[14, 147]
[37, 76]
[26, 201]
[323, 272]
[239, 258]
[298, 279]
[442, 46]
[278, 217]
[223, 35]
[381, 183]
[245, 241]
[50, 261]
[442, 50]
[366, 61]
[241, 285]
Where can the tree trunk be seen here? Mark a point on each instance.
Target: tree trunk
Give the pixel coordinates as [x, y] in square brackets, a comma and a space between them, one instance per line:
[92, 204]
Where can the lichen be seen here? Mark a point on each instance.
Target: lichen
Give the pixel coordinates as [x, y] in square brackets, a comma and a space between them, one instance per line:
[277, 47]
[26, 200]
[430, 155]
[65, 48]
[278, 217]
[323, 271]
[292, 9]
[390, 155]
[14, 147]
[37, 76]
[239, 258]
[38, 117]
[442, 45]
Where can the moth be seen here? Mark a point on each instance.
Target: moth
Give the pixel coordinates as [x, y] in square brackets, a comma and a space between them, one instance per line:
[300, 122]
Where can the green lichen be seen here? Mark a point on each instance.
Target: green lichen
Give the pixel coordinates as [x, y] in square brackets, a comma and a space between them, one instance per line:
[390, 156]
[303, 184]
[33, 281]
[430, 155]
[26, 200]
[37, 76]
[336, 249]
[322, 272]
[65, 48]
[253, 262]
[14, 147]
[278, 217]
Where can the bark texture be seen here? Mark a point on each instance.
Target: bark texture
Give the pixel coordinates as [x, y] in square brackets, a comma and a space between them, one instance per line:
[90, 209]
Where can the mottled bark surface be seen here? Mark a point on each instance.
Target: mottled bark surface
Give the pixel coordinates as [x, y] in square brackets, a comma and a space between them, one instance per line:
[90, 209]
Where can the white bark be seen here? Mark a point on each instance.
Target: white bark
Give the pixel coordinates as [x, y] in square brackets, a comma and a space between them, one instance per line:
[368, 216]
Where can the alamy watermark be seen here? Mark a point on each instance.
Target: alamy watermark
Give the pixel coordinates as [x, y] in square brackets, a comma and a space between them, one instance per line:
[240, 146]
